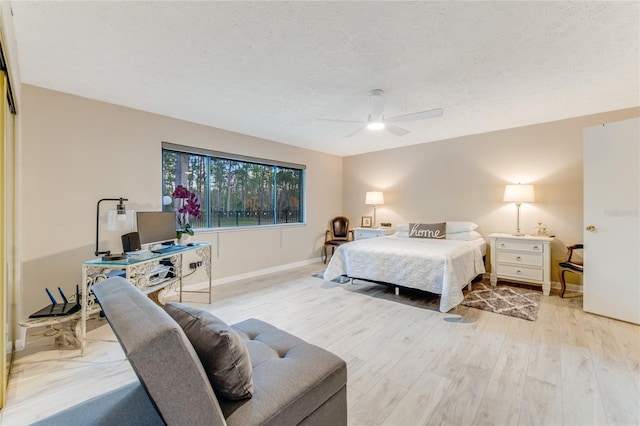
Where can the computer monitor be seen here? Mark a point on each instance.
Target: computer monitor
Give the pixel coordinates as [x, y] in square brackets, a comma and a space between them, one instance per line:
[156, 227]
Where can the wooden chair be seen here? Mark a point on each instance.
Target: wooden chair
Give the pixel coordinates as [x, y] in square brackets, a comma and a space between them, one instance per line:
[337, 234]
[569, 265]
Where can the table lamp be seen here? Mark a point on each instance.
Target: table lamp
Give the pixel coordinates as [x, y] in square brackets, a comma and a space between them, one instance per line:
[119, 219]
[518, 194]
[374, 198]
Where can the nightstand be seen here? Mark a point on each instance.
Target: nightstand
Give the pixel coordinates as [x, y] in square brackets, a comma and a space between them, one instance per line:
[526, 259]
[364, 233]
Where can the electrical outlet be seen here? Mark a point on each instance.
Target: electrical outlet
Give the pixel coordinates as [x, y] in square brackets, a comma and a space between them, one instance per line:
[195, 265]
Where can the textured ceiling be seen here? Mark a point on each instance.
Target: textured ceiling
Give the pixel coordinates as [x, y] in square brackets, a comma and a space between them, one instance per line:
[271, 69]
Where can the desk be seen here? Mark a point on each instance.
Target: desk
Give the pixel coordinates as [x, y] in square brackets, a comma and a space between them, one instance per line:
[142, 270]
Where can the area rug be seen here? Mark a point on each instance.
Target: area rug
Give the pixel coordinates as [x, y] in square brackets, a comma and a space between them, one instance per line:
[515, 302]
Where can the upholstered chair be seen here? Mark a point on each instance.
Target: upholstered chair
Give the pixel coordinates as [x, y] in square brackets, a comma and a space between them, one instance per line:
[337, 234]
[569, 265]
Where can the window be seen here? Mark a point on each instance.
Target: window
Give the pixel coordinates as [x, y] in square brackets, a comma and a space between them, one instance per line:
[234, 190]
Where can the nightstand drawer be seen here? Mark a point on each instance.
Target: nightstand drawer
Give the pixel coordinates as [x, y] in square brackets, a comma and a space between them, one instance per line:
[532, 259]
[364, 233]
[520, 272]
[520, 245]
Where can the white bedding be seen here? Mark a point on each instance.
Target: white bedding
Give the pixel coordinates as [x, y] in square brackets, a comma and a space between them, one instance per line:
[442, 267]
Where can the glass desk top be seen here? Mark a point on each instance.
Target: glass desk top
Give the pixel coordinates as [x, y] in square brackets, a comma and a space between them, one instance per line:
[145, 255]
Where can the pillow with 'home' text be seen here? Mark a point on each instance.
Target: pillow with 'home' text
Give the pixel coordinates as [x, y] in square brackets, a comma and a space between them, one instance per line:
[435, 231]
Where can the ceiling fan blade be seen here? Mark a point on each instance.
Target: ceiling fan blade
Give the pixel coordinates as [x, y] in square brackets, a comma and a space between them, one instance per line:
[354, 132]
[339, 121]
[396, 130]
[432, 113]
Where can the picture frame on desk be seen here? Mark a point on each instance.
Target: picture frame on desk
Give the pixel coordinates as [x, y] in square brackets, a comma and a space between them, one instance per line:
[366, 222]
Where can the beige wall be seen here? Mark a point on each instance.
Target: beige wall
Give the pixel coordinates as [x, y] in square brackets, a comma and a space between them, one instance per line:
[464, 178]
[76, 151]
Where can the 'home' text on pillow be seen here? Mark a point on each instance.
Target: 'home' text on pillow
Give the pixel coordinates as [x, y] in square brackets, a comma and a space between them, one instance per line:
[435, 231]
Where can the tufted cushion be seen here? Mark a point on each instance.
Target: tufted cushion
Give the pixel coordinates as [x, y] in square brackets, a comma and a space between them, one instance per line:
[222, 352]
[291, 378]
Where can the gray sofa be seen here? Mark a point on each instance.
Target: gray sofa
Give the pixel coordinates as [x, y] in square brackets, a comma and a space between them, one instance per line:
[294, 382]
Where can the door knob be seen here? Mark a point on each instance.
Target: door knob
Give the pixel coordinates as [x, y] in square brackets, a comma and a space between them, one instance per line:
[590, 228]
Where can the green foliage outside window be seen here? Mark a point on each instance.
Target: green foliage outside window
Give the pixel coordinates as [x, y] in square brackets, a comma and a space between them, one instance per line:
[233, 192]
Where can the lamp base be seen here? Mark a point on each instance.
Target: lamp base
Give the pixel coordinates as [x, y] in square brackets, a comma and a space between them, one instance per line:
[518, 234]
[110, 257]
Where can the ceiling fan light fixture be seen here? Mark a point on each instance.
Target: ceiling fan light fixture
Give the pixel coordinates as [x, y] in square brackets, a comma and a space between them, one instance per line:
[375, 125]
[377, 121]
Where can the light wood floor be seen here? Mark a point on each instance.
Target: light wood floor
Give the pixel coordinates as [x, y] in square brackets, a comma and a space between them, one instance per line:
[408, 364]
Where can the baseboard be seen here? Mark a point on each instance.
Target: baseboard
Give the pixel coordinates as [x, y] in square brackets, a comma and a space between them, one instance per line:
[253, 274]
[575, 288]
[21, 341]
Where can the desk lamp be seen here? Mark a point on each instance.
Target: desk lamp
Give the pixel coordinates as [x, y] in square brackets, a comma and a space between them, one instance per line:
[119, 219]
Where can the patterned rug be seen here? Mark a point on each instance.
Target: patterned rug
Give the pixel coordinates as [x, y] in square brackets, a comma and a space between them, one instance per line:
[515, 302]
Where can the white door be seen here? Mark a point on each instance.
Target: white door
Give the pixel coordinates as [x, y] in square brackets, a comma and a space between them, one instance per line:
[612, 208]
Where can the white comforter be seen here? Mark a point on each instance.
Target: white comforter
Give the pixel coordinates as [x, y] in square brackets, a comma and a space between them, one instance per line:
[438, 266]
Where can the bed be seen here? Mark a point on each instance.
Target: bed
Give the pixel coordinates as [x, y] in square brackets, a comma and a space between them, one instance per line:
[440, 266]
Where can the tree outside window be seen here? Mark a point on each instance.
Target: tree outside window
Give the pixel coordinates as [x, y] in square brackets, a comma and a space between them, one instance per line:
[234, 192]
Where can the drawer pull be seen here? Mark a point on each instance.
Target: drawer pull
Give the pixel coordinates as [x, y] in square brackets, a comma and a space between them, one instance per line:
[501, 244]
[519, 259]
[535, 247]
[519, 272]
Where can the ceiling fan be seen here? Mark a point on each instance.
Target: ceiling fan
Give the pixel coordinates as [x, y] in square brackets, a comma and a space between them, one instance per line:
[377, 120]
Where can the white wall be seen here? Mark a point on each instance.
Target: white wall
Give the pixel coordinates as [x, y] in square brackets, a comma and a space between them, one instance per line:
[77, 151]
[464, 178]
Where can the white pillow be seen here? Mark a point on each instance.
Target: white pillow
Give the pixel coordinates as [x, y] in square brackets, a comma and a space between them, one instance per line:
[455, 227]
[464, 236]
[402, 227]
[404, 234]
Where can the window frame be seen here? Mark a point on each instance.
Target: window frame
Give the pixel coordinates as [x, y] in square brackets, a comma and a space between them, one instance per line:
[206, 202]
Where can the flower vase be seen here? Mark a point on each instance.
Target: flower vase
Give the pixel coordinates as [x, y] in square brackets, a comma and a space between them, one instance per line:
[184, 239]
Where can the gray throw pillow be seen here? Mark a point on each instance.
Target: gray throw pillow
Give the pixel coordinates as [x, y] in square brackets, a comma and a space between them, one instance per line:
[221, 350]
[437, 231]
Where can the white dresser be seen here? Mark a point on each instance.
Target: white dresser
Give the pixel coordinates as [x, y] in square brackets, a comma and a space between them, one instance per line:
[364, 233]
[526, 259]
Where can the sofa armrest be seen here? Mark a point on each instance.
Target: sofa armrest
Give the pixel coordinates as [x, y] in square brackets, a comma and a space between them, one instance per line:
[160, 354]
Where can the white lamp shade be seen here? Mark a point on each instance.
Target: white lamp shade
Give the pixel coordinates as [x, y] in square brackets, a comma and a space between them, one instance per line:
[374, 198]
[121, 222]
[519, 194]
